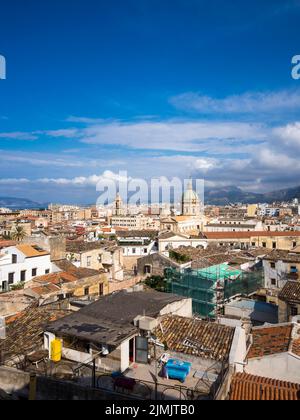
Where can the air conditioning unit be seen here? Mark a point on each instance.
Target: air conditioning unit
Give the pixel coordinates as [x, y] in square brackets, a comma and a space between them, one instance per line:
[136, 321]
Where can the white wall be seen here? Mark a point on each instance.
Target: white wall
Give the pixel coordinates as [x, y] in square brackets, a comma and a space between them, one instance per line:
[48, 338]
[182, 308]
[125, 362]
[283, 366]
[41, 263]
[177, 242]
[278, 273]
[140, 250]
[238, 350]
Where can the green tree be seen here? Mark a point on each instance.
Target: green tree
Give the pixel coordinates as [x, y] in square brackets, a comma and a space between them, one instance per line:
[180, 258]
[18, 234]
[15, 287]
[157, 283]
[7, 237]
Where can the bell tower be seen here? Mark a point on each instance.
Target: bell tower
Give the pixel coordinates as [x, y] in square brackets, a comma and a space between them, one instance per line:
[118, 211]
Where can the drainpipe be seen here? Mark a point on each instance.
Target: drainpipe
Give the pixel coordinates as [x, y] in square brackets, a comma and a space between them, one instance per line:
[2, 328]
[32, 387]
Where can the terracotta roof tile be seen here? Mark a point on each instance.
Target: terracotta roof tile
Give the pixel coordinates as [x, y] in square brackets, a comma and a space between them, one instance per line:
[248, 235]
[46, 289]
[245, 387]
[25, 331]
[79, 273]
[194, 337]
[282, 255]
[291, 292]
[270, 340]
[55, 278]
[296, 347]
[6, 244]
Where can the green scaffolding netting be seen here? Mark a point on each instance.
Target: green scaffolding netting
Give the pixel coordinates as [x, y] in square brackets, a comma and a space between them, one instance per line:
[211, 287]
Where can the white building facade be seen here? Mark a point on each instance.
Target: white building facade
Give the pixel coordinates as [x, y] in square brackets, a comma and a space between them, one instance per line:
[21, 263]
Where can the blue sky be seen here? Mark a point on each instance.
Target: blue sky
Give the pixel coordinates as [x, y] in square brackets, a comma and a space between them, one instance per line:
[155, 87]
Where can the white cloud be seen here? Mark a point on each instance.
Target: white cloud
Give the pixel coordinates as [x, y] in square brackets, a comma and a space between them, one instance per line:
[84, 120]
[82, 181]
[277, 161]
[18, 135]
[12, 181]
[224, 153]
[172, 135]
[66, 133]
[206, 165]
[246, 103]
[289, 136]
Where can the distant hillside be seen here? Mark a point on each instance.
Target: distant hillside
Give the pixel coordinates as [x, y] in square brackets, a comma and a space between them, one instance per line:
[14, 203]
[214, 196]
[227, 195]
[283, 195]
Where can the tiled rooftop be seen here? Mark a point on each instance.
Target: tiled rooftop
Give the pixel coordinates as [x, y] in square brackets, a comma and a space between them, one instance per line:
[55, 278]
[31, 251]
[248, 235]
[25, 330]
[291, 292]
[270, 340]
[245, 387]
[6, 244]
[212, 255]
[79, 273]
[45, 289]
[196, 338]
[78, 247]
[281, 255]
[296, 347]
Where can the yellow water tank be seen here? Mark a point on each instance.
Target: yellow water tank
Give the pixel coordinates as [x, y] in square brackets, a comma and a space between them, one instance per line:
[56, 351]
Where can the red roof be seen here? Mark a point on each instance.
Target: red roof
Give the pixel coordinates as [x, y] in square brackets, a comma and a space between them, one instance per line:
[248, 235]
[6, 244]
[245, 387]
[270, 340]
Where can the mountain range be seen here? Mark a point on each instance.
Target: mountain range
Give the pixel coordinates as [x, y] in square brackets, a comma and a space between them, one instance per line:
[214, 196]
[14, 203]
[231, 195]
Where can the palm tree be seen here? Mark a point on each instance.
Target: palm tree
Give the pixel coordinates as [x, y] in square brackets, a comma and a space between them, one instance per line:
[18, 234]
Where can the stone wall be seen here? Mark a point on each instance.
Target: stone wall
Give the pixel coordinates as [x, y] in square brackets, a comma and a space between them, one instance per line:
[56, 245]
[123, 285]
[157, 264]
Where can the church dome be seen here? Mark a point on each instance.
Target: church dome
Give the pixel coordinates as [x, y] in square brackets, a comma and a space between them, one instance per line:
[191, 204]
[190, 196]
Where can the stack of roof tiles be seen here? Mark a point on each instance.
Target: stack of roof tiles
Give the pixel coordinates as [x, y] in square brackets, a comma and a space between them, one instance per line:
[270, 340]
[246, 387]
